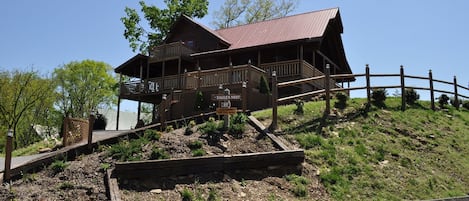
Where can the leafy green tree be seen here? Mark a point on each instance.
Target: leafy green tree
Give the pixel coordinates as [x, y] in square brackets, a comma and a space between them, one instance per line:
[83, 86]
[25, 98]
[238, 12]
[159, 21]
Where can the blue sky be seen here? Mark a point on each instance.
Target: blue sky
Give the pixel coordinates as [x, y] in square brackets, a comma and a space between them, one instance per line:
[420, 35]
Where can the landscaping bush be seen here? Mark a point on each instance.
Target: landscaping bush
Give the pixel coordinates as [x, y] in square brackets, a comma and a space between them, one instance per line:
[453, 102]
[443, 100]
[58, 166]
[151, 134]
[195, 145]
[299, 107]
[127, 150]
[239, 118]
[236, 130]
[157, 153]
[300, 183]
[212, 130]
[198, 152]
[264, 86]
[341, 101]
[411, 96]
[379, 96]
[187, 195]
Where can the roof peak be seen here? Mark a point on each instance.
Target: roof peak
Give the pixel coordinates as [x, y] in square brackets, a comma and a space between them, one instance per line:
[289, 16]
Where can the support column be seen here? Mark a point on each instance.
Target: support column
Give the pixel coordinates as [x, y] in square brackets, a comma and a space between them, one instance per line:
[138, 112]
[118, 102]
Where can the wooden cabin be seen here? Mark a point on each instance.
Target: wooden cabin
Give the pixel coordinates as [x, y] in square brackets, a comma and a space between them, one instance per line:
[196, 58]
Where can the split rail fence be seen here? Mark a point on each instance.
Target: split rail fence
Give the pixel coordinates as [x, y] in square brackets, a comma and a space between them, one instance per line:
[330, 87]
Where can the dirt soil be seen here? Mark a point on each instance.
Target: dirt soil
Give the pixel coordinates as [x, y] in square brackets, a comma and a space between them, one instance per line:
[83, 178]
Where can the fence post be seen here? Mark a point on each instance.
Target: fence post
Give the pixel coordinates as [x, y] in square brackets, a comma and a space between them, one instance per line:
[368, 87]
[90, 131]
[273, 126]
[230, 77]
[432, 93]
[163, 112]
[327, 88]
[8, 150]
[456, 99]
[402, 89]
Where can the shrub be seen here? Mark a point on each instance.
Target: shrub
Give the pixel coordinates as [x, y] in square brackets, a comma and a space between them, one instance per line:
[151, 134]
[239, 118]
[341, 101]
[264, 86]
[58, 166]
[187, 195]
[211, 129]
[169, 128]
[195, 145]
[411, 96]
[212, 194]
[198, 152]
[191, 124]
[104, 166]
[126, 150]
[188, 131]
[236, 130]
[299, 107]
[157, 153]
[379, 96]
[443, 100]
[300, 190]
[299, 181]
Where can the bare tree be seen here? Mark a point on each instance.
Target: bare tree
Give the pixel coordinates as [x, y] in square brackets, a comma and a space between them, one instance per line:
[237, 12]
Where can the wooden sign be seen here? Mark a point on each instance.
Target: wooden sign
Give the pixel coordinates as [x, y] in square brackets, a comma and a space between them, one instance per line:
[223, 97]
[226, 111]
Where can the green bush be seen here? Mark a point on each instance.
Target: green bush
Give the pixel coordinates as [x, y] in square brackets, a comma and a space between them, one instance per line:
[169, 128]
[236, 130]
[411, 96]
[299, 107]
[58, 166]
[300, 190]
[198, 152]
[187, 195]
[341, 100]
[379, 96]
[157, 154]
[239, 118]
[188, 131]
[195, 145]
[127, 150]
[453, 102]
[212, 194]
[443, 100]
[212, 130]
[300, 183]
[151, 134]
[264, 86]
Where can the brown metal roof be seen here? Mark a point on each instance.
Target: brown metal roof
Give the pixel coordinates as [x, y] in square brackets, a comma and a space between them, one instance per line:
[296, 27]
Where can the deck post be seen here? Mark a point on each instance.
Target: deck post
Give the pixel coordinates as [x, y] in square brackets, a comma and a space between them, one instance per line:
[231, 74]
[403, 104]
[273, 126]
[432, 93]
[327, 88]
[243, 96]
[90, 131]
[199, 79]
[163, 112]
[8, 150]
[456, 99]
[119, 102]
[368, 87]
[138, 110]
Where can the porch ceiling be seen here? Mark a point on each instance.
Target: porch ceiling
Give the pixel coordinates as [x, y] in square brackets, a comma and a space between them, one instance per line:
[132, 66]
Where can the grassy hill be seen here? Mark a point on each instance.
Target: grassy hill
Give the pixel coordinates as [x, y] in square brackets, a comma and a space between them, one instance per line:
[383, 153]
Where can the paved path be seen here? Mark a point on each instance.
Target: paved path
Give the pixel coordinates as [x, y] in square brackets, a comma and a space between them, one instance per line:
[21, 160]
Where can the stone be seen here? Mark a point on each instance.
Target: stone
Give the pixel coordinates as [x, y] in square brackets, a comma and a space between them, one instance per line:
[242, 194]
[156, 191]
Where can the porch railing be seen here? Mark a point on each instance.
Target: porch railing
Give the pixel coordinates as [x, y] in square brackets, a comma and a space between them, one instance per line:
[169, 50]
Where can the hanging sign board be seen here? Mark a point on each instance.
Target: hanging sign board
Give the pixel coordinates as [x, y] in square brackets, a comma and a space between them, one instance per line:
[226, 111]
[223, 97]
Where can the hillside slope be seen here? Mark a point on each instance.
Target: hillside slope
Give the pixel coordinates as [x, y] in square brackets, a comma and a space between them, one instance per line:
[384, 153]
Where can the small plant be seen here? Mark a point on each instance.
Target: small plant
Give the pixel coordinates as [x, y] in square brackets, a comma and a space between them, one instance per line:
[191, 124]
[104, 166]
[66, 185]
[58, 166]
[300, 190]
[443, 100]
[169, 128]
[195, 145]
[158, 153]
[243, 182]
[299, 107]
[411, 96]
[300, 183]
[212, 130]
[187, 195]
[151, 134]
[198, 152]
[236, 130]
[341, 101]
[239, 118]
[127, 150]
[264, 86]
[379, 96]
[452, 101]
[212, 194]
[28, 177]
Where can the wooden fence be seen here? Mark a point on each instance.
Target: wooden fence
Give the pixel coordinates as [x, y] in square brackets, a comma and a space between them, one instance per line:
[330, 87]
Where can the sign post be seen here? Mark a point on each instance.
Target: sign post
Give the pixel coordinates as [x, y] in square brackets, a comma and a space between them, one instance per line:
[224, 104]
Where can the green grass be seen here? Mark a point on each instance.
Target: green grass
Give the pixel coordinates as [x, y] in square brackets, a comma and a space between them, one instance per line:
[383, 154]
[34, 148]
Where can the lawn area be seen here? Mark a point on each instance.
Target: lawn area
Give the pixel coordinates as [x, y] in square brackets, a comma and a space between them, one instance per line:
[383, 153]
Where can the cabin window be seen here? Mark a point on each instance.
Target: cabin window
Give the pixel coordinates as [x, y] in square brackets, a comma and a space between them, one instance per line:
[190, 43]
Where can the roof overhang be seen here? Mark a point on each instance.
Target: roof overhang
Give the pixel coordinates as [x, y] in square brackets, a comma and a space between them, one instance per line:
[132, 66]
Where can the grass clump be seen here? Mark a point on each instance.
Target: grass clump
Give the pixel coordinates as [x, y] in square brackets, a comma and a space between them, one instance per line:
[58, 166]
[187, 195]
[127, 150]
[300, 184]
[66, 186]
[198, 152]
[195, 144]
[308, 141]
[158, 153]
[152, 135]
